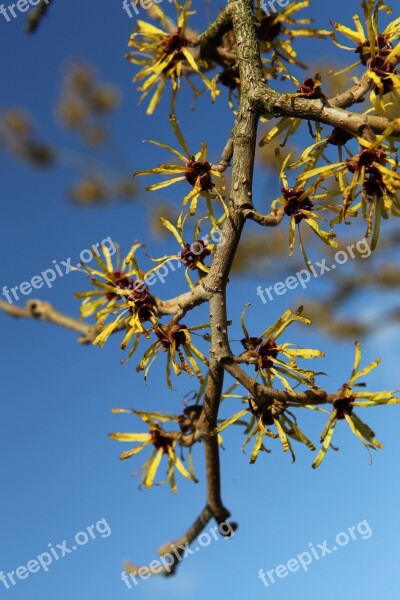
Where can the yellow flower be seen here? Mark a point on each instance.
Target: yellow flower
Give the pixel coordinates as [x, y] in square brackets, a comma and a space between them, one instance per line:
[165, 55]
[118, 290]
[192, 255]
[299, 205]
[263, 416]
[263, 352]
[375, 48]
[279, 29]
[164, 444]
[343, 409]
[196, 171]
[374, 178]
[175, 340]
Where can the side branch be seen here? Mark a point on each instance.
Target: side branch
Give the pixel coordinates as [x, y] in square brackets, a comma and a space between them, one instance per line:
[43, 311]
[176, 550]
[354, 95]
[211, 39]
[264, 393]
[273, 219]
[180, 305]
[278, 104]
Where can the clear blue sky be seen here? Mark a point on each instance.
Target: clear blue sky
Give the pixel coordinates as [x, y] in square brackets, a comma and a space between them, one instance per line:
[60, 473]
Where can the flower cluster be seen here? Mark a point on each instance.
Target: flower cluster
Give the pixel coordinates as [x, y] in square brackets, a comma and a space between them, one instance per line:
[192, 255]
[269, 357]
[368, 180]
[300, 205]
[175, 340]
[166, 55]
[365, 179]
[162, 443]
[265, 412]
[375, 49]
[263, 416]
[118, 290]
[343, 409]
[278, 30]
[371, 176]
[195, 170]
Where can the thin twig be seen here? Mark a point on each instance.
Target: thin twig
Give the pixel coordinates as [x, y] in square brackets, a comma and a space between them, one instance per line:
[43, 311]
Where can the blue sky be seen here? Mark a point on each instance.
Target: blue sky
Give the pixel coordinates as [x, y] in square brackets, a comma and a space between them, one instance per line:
[61, 474]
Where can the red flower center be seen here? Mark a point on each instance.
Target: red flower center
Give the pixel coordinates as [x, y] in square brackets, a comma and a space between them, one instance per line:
[169, 334]
[119, 280]
[199, 171]
[294, 205]
[382, 69]
[310, 89]
[373, 184]
[173, 44]
[264, 413]
[143, 301]
[343, 407]
[365, 159]
[378, 64]
[264, 349]
[160, 441]
[384, 47]
[191, 254]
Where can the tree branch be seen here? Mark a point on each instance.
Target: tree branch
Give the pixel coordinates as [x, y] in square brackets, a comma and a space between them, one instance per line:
[267, 394]
[174, 549]
[285, 105]
[180, 305]
[244, 144]
[354, 95]
[272, 220]
[43, 311]
[212, 37]
[256, 99]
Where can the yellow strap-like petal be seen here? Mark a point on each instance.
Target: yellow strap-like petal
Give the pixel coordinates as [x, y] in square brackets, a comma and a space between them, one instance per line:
[149, 479]
[231, 420]
[322, 453]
